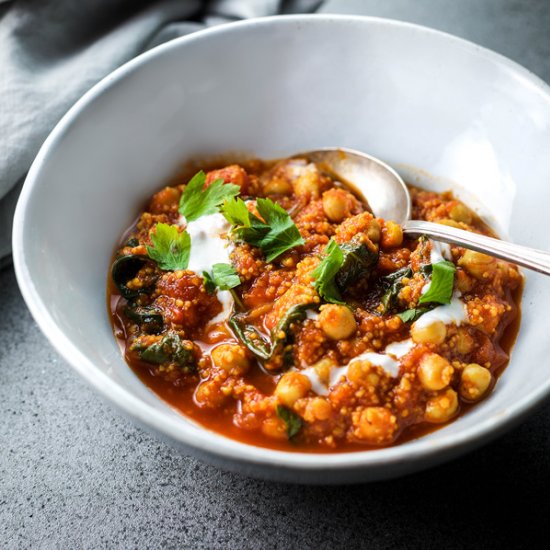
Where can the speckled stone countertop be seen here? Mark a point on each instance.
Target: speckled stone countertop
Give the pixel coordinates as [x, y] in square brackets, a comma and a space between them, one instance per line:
[75, 474]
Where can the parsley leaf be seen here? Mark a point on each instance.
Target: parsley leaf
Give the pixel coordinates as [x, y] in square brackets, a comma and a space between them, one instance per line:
[171, 247]
[326, 271]
[292, 421]
[342, 265]
[223, 276]
[441, 286]
[236, 212]
[197, 201]
[209, 284]
[274, 233]
[411, 315]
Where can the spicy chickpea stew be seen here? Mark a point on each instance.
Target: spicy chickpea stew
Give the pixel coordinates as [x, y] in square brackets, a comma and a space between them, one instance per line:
[266, 302]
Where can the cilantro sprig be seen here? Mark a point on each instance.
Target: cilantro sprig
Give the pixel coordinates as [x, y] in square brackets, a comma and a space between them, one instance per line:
[342, 265]
[411, 315]
[441, 286]
[274, 231]
[324, 274]
[223, 276]
[171, 247]
[197, 201]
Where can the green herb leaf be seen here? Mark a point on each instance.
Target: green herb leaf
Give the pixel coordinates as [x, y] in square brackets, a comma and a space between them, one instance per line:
[343, 265]
[292, 421]
[225, 276]
[441, 286]
[236, 212]
[411, 315]
[171, 247]
[209, 284]
[275, 233]
[325, 273]
[283, 233]
[197, 201]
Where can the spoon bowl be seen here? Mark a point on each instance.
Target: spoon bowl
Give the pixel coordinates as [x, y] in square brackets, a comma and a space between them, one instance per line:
[379, 184]
[388, 197]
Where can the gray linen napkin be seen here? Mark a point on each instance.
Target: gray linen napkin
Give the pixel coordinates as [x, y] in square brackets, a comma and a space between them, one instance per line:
[51, 52]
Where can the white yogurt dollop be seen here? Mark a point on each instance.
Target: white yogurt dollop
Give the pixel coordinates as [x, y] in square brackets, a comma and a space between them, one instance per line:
[455, 312]
[210, 246]
[388, 360]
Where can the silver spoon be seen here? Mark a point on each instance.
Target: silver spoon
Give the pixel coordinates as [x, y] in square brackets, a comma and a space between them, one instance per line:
[388, 198]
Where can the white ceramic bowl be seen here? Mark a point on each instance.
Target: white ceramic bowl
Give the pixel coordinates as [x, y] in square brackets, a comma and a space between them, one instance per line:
[417, 98]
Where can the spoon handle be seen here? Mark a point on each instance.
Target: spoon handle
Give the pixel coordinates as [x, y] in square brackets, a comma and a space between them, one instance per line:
[538, 260]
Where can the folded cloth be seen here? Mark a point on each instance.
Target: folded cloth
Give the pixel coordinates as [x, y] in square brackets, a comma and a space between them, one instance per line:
[51, 52]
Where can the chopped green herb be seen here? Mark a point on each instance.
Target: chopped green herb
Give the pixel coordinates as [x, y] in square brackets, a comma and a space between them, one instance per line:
[209, 284]
[197, 201]
[441, 286]
[225, 277]
[171, 247]
[236, 212]
[325, 273]
[292, 421]
[275, 233]
[411, 315]
[342, 266]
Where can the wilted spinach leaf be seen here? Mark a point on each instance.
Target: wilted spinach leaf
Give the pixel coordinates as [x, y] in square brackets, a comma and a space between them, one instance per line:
[292, 421]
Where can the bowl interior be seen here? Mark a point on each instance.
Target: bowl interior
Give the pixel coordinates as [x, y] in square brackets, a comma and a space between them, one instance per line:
[441, 110]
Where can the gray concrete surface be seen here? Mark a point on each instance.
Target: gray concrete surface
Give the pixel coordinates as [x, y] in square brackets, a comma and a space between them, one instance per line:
[75, 474]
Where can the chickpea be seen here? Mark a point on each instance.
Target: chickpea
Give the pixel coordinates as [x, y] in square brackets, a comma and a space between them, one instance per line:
[374, 231]
[274, 427]
[209, 395]
[392, 235]
[464, 282]
[362, 373]
[336, 204]
[291, 387]
[474, 382]
[434, 372]
[307, 184]
[323, 368]
[232, 358]
[477, 264]
[277, 186]
[464, 342]
[450, 223]
[434, 333]
[461, 213]
[377, 425]
[442, 407]
[337, 322]
[317, 408]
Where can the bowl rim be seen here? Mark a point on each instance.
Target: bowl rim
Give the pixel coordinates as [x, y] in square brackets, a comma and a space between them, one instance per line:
[199, 438]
